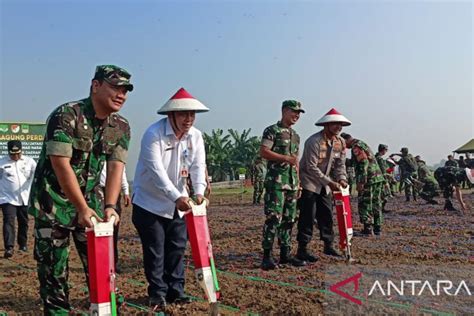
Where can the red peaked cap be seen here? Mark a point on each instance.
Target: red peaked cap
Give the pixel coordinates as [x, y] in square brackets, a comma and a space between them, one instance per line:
[333, 111]
[182, 101]
[333, 116]
[182, 94]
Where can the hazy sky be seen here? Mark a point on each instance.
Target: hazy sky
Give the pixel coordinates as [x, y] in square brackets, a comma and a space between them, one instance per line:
[401, 71]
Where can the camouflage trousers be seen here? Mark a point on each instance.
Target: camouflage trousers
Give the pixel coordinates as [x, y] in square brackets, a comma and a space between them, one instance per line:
[409, 187]
[280, 212]
[51, 252]
[370, 204]
[257, 191]
[429, 191]
[386, 193]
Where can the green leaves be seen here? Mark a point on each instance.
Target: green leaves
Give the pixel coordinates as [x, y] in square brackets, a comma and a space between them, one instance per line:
[225, 154]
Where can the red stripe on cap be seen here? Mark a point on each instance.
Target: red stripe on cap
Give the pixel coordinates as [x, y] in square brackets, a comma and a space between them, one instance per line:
[182, 94]
[333, 111]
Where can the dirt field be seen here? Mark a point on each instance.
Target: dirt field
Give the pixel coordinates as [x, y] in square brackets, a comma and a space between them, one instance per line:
[415, 236]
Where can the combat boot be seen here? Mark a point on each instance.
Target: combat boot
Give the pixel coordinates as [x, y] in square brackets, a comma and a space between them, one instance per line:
[330, 250]
[267, 262]
[304, 255]
[285, 258]
[367, 231]
[448, 206]
[377, 230]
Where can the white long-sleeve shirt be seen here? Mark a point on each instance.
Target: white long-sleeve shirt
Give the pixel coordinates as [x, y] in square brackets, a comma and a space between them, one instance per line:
[103, 179]
[15, 180]
[158, 182]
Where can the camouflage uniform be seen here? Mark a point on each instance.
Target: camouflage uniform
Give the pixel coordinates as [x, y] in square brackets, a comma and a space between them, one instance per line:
[408, 172]
[386, 191]
[258, 177]
[448, 178]
[430, 185]
[281, 186]
[368, 172]
[72, 131]
[350, 174]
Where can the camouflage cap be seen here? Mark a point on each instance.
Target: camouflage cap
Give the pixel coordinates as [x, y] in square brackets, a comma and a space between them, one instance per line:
[14, 147]
[404, 150]
[114, 75]
[382, 147]
[346, 136]
[292, 104]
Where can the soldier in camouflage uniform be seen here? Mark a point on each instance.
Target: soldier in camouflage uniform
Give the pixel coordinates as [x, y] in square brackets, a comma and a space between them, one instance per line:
[258, 177]
[386, 191]
[409, 171]
[451, 162]
[427, 182]
[450, 179]
[350, 174]
[280, 145]
[80, 137]
[369, 180]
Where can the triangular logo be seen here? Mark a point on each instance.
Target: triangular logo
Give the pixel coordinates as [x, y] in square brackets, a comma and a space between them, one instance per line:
[353, 279]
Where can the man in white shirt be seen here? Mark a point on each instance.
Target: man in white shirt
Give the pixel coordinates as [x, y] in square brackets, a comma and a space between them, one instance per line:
[16, 174]
[125, 193]
[172, 150]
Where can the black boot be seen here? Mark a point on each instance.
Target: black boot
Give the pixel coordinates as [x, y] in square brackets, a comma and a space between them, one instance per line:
[267, 262]
[377, 230]
[329, 250]
[367, 231]
[448, 206]
[303, 253]
[285, 258]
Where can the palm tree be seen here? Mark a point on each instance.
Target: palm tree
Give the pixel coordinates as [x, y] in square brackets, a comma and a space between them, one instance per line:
[217, 152]
[244, 150]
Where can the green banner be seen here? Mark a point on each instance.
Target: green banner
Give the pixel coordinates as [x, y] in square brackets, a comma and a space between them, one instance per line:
[31, 136]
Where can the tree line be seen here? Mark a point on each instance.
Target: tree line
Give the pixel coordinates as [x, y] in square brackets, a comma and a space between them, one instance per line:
[231, 154]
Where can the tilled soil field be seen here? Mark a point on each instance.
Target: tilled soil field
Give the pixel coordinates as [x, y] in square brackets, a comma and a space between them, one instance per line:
[419, 242]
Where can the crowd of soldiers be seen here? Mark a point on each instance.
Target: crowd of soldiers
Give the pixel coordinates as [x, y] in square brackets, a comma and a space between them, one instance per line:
[307, 184]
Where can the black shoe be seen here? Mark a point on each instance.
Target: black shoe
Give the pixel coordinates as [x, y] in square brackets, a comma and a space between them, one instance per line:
[158, 302]
[180, 299]
[330, 251]
[24, 249]
[433, 202]
[377, 230]
[8, 253]
[304, 255]
[268, 263]
[296, 262]
[448, 206]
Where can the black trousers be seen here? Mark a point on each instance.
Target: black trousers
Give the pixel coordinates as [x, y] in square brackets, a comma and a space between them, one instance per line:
[315, 206]
[9, 213]
[163, 242]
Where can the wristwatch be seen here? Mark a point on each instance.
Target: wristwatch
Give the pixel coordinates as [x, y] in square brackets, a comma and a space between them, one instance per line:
[112, 206]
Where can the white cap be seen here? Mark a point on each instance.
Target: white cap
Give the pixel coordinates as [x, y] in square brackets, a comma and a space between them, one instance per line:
[182, 101]
[333, 116]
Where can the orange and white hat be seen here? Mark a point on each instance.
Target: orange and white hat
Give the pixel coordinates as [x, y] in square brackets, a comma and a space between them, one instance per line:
[333, 116]
[182, 101]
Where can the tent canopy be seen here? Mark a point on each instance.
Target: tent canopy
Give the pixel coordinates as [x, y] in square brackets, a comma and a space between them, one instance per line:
[466, 148]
